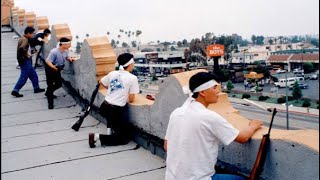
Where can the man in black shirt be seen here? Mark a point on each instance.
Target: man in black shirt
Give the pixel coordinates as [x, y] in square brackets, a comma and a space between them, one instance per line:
[38, 40]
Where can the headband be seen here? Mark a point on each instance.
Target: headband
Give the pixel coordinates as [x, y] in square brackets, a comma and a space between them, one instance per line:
[127, 64]
[202, 87]
[65, 42]
[186, 90]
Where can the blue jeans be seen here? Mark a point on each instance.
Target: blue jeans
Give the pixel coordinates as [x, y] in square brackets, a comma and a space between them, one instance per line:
[226, 177]
[27, 71]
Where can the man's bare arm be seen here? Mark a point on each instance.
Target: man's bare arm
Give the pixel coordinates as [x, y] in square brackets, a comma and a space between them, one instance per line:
[103, 85]
[131, 98]
[245, 134]
[165, 145]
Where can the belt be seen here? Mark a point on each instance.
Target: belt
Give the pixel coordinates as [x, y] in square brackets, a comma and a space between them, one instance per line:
[111, 105]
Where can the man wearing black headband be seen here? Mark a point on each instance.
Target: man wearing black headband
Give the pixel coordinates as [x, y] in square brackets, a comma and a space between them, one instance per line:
[122, 87]
[194, 133]
[54, 64]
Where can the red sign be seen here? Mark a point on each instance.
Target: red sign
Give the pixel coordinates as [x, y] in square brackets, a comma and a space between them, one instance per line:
[215, 50]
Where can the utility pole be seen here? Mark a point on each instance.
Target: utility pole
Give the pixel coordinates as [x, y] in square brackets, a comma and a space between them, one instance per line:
[287, 109]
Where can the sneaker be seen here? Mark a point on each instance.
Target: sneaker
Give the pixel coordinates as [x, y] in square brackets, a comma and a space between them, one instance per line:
[37, 65]
[16, 94]
[38, 90]
[91, 140]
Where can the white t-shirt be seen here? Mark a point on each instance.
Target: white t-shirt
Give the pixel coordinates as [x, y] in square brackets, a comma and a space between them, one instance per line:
[193, 139]
[120, 84]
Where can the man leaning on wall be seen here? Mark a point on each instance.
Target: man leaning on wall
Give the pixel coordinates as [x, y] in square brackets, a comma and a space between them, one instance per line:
[54, 64]
[194, 133]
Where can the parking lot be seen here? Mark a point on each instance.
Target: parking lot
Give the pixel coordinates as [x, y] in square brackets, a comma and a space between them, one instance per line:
[312, 92]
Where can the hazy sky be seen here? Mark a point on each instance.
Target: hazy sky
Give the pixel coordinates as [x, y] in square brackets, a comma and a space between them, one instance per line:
[174, 20]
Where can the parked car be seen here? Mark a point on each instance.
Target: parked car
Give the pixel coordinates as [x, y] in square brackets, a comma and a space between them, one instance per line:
[254, 89]
[298, 71]
[313, 77]
[301, 85]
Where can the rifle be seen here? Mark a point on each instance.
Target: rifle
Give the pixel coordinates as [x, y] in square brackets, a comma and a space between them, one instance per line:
[262, 153]
[38, 56]
[77, 125]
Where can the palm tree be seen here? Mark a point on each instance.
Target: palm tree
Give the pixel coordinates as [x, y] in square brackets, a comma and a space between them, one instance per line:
[270, 41]
[281, 39]
[253, 38]
[138, 33]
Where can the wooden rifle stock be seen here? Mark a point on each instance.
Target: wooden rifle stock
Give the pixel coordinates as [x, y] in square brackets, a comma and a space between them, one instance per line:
[262, 153]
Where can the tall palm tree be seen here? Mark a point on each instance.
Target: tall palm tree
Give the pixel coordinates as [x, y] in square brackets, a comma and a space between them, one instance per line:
[281, 39]
[138, 33]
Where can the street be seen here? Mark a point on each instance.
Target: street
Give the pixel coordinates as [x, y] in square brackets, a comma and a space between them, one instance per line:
[296, 121]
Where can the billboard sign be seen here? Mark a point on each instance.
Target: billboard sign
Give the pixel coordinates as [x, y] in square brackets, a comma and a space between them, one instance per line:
[152, 57]
[215, 50]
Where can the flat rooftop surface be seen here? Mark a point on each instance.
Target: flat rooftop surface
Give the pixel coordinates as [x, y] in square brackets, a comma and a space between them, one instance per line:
[38, 143]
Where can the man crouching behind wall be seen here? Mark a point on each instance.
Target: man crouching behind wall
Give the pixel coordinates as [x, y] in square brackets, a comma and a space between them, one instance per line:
[194, 133]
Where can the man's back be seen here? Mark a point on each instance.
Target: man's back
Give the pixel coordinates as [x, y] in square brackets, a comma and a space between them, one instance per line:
[22, 48]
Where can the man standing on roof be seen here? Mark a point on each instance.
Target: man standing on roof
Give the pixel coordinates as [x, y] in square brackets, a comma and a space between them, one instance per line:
[25, 62]
[194, 133]
[54, 64]
[122, 87]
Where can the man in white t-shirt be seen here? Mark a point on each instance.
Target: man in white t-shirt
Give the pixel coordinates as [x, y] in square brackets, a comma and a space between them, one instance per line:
[194, 133]
[122, 87]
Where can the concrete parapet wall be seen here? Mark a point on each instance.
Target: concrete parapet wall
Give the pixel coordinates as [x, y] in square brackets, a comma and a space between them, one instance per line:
[21, 15]
[29, 19]
[18, 21]
[42, 23]
[6, 6]
[14, 17]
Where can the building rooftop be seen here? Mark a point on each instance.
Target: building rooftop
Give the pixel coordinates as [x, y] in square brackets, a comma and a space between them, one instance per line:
[38, 143]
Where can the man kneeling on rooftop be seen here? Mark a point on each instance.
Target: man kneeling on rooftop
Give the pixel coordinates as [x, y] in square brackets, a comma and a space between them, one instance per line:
[194, 133]
[122, 87]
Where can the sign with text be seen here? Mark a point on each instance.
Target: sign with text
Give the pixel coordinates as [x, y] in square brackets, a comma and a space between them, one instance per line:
[152, 57]
[215, 50]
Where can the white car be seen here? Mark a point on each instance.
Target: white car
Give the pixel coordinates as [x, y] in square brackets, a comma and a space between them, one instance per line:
[298, 71]
[313, 77]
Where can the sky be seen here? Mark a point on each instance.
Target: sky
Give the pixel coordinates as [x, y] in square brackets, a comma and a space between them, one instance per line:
[175, 20]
